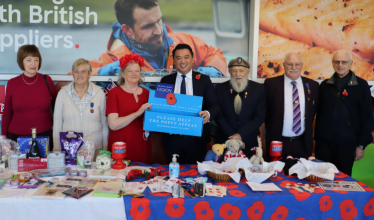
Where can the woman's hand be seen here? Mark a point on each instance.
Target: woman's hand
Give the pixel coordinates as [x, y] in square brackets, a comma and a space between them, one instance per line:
[144, 107]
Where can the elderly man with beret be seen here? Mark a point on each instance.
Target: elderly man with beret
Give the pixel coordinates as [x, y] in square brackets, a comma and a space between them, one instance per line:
[242, 106]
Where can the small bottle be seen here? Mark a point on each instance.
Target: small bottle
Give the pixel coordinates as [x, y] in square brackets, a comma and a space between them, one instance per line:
[34, 149]
[174, 167]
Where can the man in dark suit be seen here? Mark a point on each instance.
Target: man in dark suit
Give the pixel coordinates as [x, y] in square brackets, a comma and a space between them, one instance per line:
[189, 148]
[291, 104]
[242, 105]
[345, 115]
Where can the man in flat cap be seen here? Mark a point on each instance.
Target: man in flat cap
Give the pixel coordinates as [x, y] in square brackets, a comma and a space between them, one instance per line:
[291, 104]
[242, 106]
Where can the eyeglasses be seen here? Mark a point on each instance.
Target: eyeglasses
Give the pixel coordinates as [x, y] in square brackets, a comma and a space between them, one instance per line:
[289, 65]
[82, 72]
[337, 62]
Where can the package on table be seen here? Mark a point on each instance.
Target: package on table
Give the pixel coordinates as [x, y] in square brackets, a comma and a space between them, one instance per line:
[25, 142]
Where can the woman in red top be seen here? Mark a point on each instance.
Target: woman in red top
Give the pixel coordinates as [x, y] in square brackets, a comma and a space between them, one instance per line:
[125, 108]
[28, 99]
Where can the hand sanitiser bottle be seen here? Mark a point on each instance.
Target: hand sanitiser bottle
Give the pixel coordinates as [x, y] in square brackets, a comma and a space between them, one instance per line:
[174, 167]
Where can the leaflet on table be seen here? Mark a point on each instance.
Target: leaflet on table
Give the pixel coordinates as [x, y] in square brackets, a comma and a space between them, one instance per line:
[341, 185]
[46, 193]
[167, 187]
[25, 142]
[32, 164]
[176, 114]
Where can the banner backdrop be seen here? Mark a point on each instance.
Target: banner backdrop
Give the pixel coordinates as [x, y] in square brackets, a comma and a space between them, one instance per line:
[316, 29]
[102, 32]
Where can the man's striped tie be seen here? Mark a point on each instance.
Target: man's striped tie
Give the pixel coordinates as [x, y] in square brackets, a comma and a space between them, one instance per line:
[296, 127]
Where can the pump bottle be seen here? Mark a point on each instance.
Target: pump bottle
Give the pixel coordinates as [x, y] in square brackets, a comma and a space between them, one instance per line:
[174, 167]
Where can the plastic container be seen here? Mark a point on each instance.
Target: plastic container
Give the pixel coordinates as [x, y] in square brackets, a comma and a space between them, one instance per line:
[174, 167]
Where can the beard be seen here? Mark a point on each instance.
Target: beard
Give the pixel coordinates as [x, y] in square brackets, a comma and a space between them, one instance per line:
[152, 48]
[236, 86]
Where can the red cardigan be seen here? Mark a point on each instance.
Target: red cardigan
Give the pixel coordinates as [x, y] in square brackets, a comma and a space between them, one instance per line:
[28, 106]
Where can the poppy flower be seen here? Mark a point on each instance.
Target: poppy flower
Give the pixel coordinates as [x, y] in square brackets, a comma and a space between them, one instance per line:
[198, 76]
[236, 193]
[140, 208]
[325, 203]
[369, 208]
[228, 211]
[300, 196]
[228, 185]
[341, 175]
[130, 175]
[191, 172]
[280, 213]
[255, 211]
[203, 211]
[174, 207]
[286, 182]
[170, 99]
[165, 173]
[345, 93]
[138, 173]
[347, 209]
[365, 187]
[319, 190]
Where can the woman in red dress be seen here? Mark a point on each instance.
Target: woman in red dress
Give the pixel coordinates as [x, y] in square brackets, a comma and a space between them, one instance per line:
[125, 108]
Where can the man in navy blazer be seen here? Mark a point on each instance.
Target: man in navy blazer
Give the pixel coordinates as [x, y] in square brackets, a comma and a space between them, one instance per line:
[242, 107]
[186, 81]
[291, 104]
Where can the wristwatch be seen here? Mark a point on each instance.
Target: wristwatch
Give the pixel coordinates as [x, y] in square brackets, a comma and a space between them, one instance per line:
[361, 147]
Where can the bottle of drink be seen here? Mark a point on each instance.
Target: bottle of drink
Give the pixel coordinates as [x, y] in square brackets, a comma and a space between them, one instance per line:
[34, 149]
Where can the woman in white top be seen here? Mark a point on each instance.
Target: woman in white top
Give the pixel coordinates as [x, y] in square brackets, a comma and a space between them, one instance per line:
[80, 107]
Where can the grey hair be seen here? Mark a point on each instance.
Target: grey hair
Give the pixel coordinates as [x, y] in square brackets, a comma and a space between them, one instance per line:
[292, 53]
[344, 51]
[121, 80]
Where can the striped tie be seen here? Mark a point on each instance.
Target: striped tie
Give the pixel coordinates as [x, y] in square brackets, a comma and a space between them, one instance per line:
[296, 127]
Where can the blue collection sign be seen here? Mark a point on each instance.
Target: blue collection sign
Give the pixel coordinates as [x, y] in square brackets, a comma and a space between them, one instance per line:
[176, 114]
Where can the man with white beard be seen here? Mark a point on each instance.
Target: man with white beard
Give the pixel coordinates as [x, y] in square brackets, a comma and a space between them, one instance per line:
[291, 104]
[242, 107]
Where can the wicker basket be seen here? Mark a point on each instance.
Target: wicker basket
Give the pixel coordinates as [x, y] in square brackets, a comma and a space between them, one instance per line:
[314, 179]
[219, 177]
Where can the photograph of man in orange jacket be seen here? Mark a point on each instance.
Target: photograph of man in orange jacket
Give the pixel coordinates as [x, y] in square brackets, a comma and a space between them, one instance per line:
[140, 30]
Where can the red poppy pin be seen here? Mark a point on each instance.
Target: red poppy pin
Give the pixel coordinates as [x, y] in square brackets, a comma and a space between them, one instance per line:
[198, 76]
[345, 93]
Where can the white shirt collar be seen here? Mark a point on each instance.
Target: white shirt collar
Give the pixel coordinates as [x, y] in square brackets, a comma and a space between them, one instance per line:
[288, 80]
[188, 75]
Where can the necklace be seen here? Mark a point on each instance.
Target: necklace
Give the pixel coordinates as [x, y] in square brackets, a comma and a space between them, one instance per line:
[30, 83]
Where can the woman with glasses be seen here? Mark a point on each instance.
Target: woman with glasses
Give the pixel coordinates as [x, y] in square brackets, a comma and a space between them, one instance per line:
[80, 107]
[29, 97]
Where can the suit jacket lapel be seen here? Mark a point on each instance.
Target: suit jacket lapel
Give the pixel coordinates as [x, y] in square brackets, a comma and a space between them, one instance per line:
[173, 78]
[249, 91]
[281, 93]
[195, 84]
[306, 97]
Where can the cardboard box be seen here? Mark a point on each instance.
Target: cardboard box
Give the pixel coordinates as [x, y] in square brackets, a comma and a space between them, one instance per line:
[178, 115]
[25, 165]
[25, 142]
